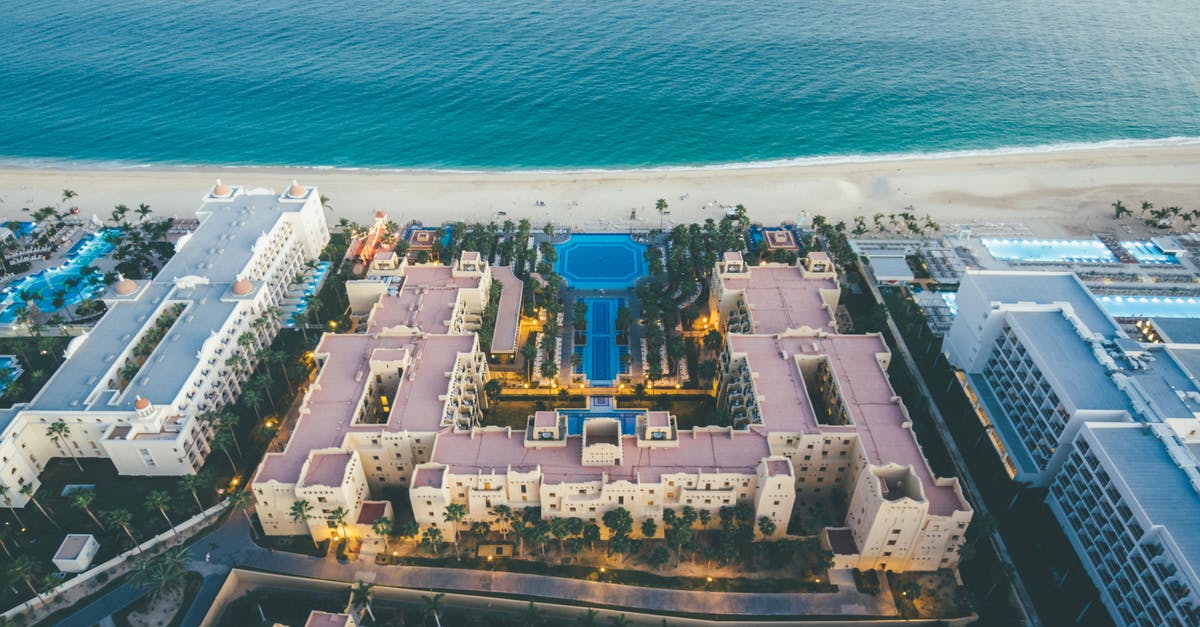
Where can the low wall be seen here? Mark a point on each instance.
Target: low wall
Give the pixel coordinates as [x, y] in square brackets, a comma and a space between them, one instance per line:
[115, 565]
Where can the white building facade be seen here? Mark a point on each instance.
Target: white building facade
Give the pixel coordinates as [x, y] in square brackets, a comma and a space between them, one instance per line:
[132, 388]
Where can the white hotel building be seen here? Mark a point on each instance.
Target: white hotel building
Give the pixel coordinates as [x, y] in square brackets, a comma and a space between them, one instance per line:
[229, 272]
[1109, 424]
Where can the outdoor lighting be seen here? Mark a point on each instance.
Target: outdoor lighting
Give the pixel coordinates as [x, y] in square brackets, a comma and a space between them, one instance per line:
[234, 482]
[489, 558]
[676, 386]
[333, 324]
[709, 579]
[602, 569]
[396, 553]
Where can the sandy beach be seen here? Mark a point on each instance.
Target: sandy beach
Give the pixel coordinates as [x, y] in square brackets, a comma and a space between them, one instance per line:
[1055, 193]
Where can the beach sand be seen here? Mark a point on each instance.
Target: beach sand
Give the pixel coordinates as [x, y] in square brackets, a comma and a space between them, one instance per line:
[1054, 193]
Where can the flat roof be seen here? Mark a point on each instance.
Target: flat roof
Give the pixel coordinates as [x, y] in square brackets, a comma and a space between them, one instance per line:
[217, 250]
[878, 420]
[1044, 288]
[508, 314]
[425, 302]
[891, 268]
[72, 546]
[1067, 359]
[496, 451]
[1178, 330]
[326, 469]
[327, 619]
[779, 297]
[371, 511]
[1155, 482]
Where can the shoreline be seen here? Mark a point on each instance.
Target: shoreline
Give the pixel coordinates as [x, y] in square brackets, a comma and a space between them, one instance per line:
[76, 165]
[1065, 191]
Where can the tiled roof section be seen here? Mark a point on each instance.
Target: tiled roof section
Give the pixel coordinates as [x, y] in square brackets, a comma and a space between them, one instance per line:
[326, 469]
[780, 298]
[545, 418]
[508, 314]
[658, 419]
[778, 468]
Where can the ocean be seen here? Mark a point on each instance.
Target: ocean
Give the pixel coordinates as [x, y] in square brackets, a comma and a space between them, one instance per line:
[533, 84]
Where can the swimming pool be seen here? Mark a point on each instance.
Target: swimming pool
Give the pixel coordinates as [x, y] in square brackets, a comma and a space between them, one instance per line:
[576, 417]
[1149, 252]
[69, 279]
[9, 363]
[311, 286]
[600, 261]
[1059, 251]
[601, 358]
[1150, 306]
[951, 300]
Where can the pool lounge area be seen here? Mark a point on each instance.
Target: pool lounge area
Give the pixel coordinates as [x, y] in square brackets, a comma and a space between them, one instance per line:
[68, 277]
[600, 407]
[1073, 251]
[311, 286]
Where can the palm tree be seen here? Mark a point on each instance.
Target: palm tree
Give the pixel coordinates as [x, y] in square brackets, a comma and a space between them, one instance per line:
[122, 518]
[195, 483]
[301, 511]
[338, 519]
[9, 505]
[588, 619]
[143, 210]
[58, 433]
[383, 528]
[409, 529]
[619, 621]
[27, 490]
[242, 501]
[82, 499]
[361, 595]
[252, 397]
[160, 500]
[1119, 209]
[164, 573]
[661, 205]
[223, 440]
[68, 194]
[25, 568]
[454, 514]
[431, 606]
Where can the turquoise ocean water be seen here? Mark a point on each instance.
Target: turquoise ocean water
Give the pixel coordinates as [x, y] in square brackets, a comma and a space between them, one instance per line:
[584, 83]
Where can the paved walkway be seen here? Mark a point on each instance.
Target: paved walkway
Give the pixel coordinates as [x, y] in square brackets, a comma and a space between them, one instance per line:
[228, 546]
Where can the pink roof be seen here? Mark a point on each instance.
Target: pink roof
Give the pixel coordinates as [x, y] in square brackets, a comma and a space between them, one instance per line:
[732, 257]
[508, 315]
[426, 300]
[864, 387]
[327, 469]
[385, 255]
[333, 398]
[545, 418]
[496, 451]
[325, 619]
[427, 477]
[778, 467]
[371, 511]
[780, 298]
[658, 419]
[781, 239]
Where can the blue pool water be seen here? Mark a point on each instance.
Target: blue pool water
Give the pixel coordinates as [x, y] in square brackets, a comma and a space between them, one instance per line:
[1068, 250]
[14, 371]
[601, 359]
[600, 261]
[68, 277]
[311, 287]
[576, 417]
[1149, 252]
[1150, 306]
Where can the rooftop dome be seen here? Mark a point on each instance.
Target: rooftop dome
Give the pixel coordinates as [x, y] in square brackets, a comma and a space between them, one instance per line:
[221, 189]
[141, 403]
[296, 190]
[242, 287]
[125, 287]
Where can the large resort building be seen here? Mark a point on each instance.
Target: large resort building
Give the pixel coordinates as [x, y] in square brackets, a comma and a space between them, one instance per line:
[132, 388]
[1110, 424]
[398, 405]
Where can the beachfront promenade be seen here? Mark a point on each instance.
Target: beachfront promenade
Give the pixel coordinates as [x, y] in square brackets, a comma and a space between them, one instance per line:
[233, 551]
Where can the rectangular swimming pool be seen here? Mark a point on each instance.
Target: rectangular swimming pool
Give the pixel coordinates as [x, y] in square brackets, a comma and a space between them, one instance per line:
[600, 261]
[1054, 251]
